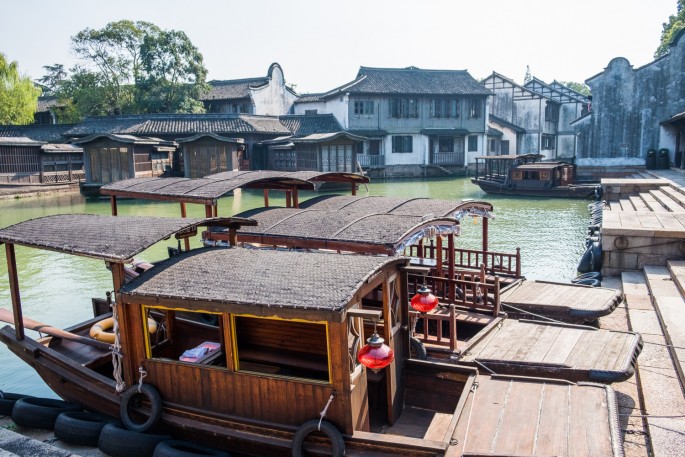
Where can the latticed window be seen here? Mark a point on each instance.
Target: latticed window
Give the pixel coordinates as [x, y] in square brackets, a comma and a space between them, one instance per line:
[445, 108]
[404, 107]
[402, 143]
[363, 107]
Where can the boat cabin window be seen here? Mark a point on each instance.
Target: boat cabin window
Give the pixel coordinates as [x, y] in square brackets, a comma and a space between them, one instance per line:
[185, 336]
[281, 347]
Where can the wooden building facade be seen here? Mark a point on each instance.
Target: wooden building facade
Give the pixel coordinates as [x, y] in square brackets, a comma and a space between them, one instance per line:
[208, 154]
[109, 158]
[26, 161]
[325, 152]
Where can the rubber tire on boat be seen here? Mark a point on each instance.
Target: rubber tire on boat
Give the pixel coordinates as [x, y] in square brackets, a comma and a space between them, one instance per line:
[7, 401]
[81, 427]
[511, 186]
[34, 412]
[328, 429]
[116, 441]
[585, 264]
[179, 448]
[127, 400]
[592, 274]
[417, 348]
[547, 184]
[596, 256]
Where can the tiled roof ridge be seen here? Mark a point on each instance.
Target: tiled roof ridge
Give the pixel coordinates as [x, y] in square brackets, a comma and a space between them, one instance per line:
[411, 68]
[259, 79]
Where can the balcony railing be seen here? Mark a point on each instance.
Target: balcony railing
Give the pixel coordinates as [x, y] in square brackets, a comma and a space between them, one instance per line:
[366, 160]
[447, 158]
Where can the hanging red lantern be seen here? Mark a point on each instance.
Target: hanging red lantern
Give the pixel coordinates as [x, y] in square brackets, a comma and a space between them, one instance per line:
[375, 355]
[424, 300]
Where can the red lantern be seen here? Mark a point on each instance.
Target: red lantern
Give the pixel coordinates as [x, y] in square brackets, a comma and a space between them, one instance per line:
[424, 300]
[375, 354]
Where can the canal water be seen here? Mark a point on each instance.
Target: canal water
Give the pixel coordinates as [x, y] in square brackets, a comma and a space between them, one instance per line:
[57, 288]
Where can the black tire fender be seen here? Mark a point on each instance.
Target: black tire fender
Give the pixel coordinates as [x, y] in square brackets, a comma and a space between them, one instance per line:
[116, 441]
[129, 402]
[328, 429]
[418, 348]
[35, 412]
[81, 427]
[179, 448]
[7, 401]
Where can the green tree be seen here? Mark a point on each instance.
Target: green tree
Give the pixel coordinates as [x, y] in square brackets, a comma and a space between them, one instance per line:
[578, 87]
[129, 67]
[527, 77]
[675, 24]
[18, 94]
[173, 75]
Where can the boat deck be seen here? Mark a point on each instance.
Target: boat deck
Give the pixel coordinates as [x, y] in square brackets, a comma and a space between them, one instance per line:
[556, 351]
[565, 302]
[567, 420]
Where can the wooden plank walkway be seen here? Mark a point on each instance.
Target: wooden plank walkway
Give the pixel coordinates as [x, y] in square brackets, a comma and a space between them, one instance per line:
[568, 420]
[551, 349]
[559, 300]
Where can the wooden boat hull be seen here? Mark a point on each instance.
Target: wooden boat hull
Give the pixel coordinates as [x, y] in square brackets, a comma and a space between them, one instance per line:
[571, 191]
[473, 423]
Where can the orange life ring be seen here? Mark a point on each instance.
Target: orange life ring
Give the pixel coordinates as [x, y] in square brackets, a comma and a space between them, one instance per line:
[101, 330]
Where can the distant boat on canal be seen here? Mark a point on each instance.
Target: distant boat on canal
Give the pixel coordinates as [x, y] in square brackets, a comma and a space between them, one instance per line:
[526, 175]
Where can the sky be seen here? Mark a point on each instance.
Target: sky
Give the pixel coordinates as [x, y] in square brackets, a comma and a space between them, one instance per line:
[321, 44]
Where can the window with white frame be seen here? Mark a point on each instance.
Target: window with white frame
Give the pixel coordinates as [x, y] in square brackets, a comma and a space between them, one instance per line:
[547, 142]
[404, 107]
[445, 108]
[362, 107]
[475, 108]
[473, 143]
[402, 143]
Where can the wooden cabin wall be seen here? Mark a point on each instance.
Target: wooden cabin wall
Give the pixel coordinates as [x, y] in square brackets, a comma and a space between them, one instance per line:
[205, 157]
[62, 167]
[19, 164]
[307, 157]
[107, 161]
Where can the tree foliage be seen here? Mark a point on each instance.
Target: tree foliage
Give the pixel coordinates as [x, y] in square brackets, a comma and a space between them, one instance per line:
[675, 24]
[578, 87]
[128, 68]
[18, 95]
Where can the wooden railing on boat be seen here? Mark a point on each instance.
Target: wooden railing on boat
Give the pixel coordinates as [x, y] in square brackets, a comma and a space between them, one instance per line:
[497, 263]
[470, 294]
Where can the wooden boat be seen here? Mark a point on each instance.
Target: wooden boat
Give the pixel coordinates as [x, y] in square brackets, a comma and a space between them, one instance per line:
[469, 327]
[525, 175]
[287, 359]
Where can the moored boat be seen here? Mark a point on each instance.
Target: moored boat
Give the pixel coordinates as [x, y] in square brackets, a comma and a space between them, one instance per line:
[525, 175]
[283, 360]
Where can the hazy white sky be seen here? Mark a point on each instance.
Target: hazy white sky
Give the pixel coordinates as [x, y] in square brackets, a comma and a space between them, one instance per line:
[320, 44]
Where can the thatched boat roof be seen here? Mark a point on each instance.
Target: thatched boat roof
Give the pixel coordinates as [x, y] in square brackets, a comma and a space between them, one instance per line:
[392, 205]
[382, 233]
[114, 239]
[208, 189]
[258, 282]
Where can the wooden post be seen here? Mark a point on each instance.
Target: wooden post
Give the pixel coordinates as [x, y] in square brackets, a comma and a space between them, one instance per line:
[288, 199]
[186, 241]
[438, 256]
[496, 298]
[453, 329]
[485, 241]
[354, 188]
[209, 211]
[126, 340]
[232, 236]
[296, 201]
[14, 291]
[450, 265]
[518, 262]
[113, 204]
[266, 198]
[216, 209]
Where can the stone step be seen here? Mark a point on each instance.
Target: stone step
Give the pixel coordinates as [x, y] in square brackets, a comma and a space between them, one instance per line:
[676, 193]
[662, 393]
[638, 203]
[652, 203]
[666, 201]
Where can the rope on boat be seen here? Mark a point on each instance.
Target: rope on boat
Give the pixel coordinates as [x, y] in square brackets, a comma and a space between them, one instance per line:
[540, 316]
[116, 352]
[474, 389]
[654, 416]
[143, 373]
[322, 413]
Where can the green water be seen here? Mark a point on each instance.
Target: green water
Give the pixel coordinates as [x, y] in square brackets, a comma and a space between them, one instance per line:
[57, 288]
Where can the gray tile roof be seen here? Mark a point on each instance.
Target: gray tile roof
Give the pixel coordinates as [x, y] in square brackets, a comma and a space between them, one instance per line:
[303, 125]
[234, 89]
[308, 98]
[46, 102]
[507, 124]
[180, 124]
[240, 279]
[411, 81]
[38, 132]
